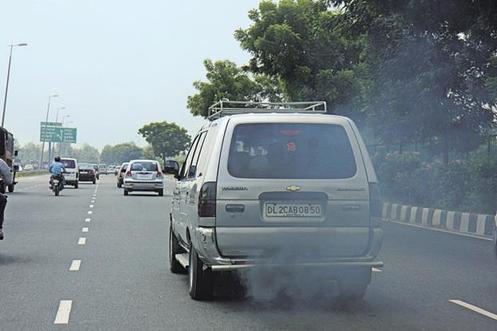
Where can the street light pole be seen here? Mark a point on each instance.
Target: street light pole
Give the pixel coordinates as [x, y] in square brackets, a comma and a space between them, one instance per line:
[8, 78]
[46, 120]
[52, 149]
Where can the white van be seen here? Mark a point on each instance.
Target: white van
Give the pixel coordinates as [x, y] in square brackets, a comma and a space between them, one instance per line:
[276, 184]
[72, 173]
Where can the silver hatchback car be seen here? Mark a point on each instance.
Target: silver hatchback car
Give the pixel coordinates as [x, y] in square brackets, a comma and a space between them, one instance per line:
[273, 185]
[143, 175]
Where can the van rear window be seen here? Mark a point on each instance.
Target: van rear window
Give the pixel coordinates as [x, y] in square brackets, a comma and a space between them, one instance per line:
[291, 151]
[69, 163]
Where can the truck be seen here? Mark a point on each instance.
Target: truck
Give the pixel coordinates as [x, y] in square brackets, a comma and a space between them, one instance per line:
[7, 153]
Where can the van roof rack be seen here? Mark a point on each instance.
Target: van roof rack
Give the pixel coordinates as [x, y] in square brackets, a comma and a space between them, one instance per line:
[226, 108]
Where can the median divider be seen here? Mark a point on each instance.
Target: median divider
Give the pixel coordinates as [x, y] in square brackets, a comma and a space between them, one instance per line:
[459, 222]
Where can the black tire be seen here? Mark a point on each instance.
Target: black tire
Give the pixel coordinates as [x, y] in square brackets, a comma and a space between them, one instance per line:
[353, 284]
[174, 248]
[125, 192]
[94, 181]
[56, 191]
[200, 281]
[161, 193]
[2, 188]
[11, 188]
[76, 185]
[119, 185]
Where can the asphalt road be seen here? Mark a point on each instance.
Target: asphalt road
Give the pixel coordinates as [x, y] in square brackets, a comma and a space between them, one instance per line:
[123, 281]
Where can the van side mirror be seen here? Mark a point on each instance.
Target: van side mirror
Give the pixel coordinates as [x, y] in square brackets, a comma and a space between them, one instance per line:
[16, 153]
[16, 167]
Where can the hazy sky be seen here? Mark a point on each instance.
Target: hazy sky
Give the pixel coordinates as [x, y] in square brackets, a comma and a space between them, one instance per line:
[116, 64]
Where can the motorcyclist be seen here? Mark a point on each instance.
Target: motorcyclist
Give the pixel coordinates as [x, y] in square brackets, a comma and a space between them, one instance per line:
[7, 178]
[57, 170]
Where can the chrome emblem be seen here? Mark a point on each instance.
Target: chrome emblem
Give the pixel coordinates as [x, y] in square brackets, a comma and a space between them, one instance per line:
[293, 188]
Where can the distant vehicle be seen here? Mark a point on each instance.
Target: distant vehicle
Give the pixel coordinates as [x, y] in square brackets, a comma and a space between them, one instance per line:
[143, 175]
[121, 173]
[87, 173]
[294, 188]
[97, 173]
[102, 169]
[29, 167]
[116, 170]
[7, 153]
[71, 174]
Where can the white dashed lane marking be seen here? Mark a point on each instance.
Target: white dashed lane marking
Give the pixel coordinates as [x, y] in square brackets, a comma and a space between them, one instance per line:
[475, 309]
[84, 230]
[88, 220]
[91, 206]
[90, 212]
[63, 312]
[75, 265]
[82, 241]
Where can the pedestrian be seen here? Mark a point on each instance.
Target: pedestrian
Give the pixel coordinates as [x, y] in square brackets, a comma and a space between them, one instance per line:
[7, 180]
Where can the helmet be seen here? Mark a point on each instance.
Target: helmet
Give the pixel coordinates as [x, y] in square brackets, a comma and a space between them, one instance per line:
[57, 159]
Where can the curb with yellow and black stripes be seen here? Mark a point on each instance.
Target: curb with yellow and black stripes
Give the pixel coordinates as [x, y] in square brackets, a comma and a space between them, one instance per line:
[465, 223]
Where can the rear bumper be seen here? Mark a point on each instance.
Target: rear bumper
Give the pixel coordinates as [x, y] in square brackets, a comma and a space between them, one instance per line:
[205, 243]
[86, 178]
[143, 186]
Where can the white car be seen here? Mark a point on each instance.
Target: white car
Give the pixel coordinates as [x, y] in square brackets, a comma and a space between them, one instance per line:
[276, 184]
[72, 173]
[143, 175]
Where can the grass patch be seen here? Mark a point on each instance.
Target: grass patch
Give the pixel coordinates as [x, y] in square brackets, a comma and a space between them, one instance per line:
[31, 173]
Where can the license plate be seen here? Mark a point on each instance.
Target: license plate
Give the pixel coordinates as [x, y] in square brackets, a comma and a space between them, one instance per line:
[278, 209]
[142, 177]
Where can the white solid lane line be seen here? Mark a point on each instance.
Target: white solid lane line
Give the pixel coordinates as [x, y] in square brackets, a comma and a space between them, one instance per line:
[84, 230]
[75, 265]
[475, 309]
[63, 312]
[87, 220]
[82, 241]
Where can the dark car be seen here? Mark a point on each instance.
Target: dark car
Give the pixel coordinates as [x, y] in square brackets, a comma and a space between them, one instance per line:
[87, 173]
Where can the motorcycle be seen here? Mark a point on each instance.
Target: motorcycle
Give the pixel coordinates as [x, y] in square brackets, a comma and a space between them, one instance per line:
[56, 184]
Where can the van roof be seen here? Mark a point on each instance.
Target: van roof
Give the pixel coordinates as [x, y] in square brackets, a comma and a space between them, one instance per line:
[279, 117]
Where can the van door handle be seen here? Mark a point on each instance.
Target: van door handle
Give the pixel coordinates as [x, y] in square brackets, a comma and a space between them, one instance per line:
[235, 208]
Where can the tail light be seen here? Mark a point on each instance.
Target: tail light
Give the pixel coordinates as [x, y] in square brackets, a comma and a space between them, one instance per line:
[92, 171]
[159, 174]
[129, 174]
[375, 203]
[207, 200]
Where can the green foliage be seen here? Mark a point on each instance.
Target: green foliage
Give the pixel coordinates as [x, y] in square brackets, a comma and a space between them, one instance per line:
[227, 81]
[167, 139]
[85, 153]
[302, 44]
[30, 153]
[469, 185]
[120, 153]
[433, 69]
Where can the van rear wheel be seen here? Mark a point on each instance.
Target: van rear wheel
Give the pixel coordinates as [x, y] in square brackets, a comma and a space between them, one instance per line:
[354, 283]
[200, 280]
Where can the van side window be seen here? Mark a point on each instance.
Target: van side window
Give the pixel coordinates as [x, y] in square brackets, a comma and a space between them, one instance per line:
[189, 157]
[192, 173]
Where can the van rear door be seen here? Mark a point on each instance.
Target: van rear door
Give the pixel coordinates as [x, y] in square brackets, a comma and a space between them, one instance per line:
[293, 182]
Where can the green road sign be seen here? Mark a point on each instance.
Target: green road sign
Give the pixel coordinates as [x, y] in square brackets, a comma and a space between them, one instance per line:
[48, 131]
[69, 135]
[55, 133]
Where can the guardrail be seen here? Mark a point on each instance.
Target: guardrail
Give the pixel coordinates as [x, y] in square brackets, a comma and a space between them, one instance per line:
[480, 225]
